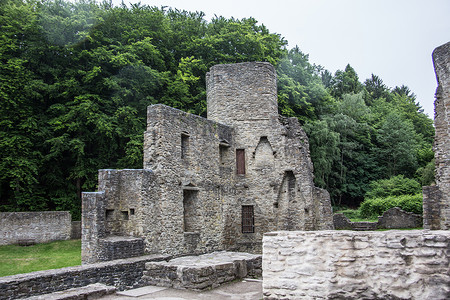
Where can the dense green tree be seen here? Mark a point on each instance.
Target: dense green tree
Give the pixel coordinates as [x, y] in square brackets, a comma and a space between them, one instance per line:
[394, 186]
[76, 78]
[300, 89]
[375, 89]
[324, 151]
[397, 146]
[345, 82]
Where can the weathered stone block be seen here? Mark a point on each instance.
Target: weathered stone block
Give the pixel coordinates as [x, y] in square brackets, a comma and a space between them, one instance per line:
[391, 265]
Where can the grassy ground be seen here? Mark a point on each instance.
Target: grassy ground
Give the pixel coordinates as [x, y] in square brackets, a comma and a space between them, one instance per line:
[19, 259]
[354, 215]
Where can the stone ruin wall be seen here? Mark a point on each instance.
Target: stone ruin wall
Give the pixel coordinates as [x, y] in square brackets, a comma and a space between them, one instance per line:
[436, 204]
[356, 265]
[34, 227]
[278, 178]
[184, 152]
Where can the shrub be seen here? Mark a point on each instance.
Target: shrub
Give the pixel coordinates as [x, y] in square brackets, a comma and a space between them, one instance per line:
[374, 207]
[394, 186]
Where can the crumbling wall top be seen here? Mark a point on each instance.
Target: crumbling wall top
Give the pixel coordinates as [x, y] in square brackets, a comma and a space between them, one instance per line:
[241, 92]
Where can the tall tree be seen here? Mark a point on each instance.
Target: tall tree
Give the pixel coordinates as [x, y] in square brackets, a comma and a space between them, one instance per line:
[397, 146]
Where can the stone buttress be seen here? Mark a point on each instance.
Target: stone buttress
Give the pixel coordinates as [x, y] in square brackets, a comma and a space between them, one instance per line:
[436, 201]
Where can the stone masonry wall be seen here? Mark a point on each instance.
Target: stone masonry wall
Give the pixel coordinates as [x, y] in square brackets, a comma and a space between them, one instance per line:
[278, 179]
[437, 198]
[131, 206]
[34, 227]
[202, 176]
[190, 157]
[356, 265]
[123, 274]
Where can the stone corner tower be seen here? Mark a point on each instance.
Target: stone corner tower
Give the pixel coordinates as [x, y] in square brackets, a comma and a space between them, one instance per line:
[242, 91]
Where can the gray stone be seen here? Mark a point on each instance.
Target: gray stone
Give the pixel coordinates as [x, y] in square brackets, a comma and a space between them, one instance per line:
[436, 199]
[203, 271]
[141, 291]
[29, 228]
[92, 291]
[393, 264]
[398, 218]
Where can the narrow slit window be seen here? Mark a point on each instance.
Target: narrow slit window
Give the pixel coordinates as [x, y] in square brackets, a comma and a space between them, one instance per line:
[223, 153]
[190, 211]
[240, 161]
[248, 219]
[184, 145]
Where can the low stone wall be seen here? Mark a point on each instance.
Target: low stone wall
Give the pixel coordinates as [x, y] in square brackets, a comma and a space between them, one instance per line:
[118, 247]
[34, 227]
[393, 218]
[398, 218]
[123, 274]
[356, 265]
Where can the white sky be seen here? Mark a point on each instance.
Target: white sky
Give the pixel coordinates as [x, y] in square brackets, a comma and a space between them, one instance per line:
[393, 39]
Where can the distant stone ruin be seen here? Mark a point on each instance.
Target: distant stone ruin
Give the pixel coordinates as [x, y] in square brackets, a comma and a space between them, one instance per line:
[32, 227]
[209, 184]
[436, 199]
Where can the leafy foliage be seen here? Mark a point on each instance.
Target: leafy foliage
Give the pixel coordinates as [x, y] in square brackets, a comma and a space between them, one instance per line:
[394, 186]
[374, 207]
[76, 78]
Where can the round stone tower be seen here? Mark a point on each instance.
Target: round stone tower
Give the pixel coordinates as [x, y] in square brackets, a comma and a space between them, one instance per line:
[241, 92]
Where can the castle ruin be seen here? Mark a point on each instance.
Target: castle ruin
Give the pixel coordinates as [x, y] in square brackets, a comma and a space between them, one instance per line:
[436, 198]
[209, 184]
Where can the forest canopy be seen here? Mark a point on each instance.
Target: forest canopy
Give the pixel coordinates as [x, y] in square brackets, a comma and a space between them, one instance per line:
[76, 78]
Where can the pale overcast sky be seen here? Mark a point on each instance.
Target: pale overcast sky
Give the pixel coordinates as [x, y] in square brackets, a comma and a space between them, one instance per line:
[393, 39]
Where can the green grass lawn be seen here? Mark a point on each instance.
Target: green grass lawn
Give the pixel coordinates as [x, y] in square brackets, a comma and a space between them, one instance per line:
[20, 259]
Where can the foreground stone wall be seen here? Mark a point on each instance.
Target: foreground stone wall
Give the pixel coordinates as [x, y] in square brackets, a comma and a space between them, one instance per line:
[353, 265]
[34, 227]
[437, 198]
[123, 274]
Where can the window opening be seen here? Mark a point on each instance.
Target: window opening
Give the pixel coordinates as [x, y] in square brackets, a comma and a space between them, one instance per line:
[240, 161]
[248, 219]
[223, 152]
[125, 215]
[132, 211]
[190, 211]
[109, 214]
[184, 145]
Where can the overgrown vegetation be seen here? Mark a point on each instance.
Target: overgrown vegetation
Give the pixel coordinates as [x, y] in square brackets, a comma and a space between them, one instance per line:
[19, 259]
[374, 207]
[76, 78]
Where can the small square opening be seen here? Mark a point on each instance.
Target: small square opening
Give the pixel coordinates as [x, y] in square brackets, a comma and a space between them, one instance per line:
[125, 215]
[132, 211]
[109, 215]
